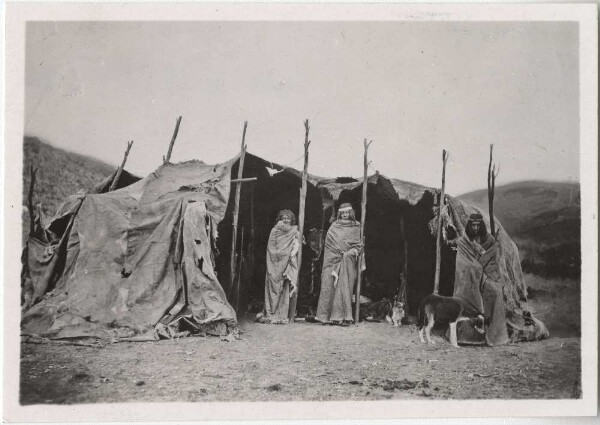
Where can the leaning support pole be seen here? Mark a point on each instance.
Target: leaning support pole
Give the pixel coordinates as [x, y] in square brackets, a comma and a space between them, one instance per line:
[113, 185]
[363, 219]
[33, 172]
[236, 207]
[294, 298]
[438, 246]
[491, 181]
[168, 157]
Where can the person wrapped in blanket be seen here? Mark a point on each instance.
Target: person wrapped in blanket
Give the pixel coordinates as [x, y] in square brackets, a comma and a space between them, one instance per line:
[340, 269]
[478, 281]
[282, 269]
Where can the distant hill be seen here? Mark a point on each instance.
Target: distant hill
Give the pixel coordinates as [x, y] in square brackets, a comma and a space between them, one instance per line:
[60, 174]
[544, 220]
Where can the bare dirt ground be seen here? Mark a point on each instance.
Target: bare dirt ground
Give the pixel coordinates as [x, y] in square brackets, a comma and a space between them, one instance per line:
[299, 362]
[307, 361]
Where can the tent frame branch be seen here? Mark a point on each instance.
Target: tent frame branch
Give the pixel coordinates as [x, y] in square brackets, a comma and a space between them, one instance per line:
[301, 214]
[167, 159]
[115, 181]
[491, 183]
[438, 245]
[236, 213]
[363, 219]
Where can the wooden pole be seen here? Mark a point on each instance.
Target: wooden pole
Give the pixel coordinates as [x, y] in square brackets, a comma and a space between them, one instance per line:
[294, 298]
[236, 206]
[33, 172]
[438, 247]
[492, 174]
[245, 180]
[168, 157]
[238, 276]
[113, 185]
[363, 219]
[252, 242]
[404, 281]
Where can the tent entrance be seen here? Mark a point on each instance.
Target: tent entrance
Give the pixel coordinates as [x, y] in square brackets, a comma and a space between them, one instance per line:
[422, 252]
[385, 246]
[400, 247]
[260, 202]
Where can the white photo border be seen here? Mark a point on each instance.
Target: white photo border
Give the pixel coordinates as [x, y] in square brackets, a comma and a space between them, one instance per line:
[18, 14]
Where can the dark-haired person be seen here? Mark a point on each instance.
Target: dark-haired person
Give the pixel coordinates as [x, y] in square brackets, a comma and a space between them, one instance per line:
[282, 268]
[478, 280]
[340, 271]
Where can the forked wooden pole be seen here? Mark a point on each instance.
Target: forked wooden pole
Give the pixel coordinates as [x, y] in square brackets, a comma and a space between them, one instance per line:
[438, 246]
[363, 219]
[113, 185]
[492, 174]
[168, 157]
[236, 207]
[294, 298]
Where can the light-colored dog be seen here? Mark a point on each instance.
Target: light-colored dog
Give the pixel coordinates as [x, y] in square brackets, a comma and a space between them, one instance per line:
[435, 308]
[398, 314]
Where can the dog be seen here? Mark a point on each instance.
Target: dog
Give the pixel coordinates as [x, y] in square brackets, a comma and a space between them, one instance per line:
[436, 308]
[398, 313]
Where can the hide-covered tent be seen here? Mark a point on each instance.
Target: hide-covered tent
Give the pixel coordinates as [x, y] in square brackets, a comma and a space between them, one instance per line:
[400, 247]
[140, 257]
[45, 251]
[153, 258]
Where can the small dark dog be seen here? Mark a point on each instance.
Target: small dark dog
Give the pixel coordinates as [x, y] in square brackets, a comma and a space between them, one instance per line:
[435, 308]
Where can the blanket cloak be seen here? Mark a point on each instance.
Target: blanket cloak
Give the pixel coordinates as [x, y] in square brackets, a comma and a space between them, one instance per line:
[479, 283]
[282, 271]
[340, 272]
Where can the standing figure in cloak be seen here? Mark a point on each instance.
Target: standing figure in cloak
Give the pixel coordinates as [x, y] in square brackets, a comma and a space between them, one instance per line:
[478, 280]
[282, 269]
[340, 269]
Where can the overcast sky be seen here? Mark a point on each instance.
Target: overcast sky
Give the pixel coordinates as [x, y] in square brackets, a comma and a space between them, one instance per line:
[414, 88]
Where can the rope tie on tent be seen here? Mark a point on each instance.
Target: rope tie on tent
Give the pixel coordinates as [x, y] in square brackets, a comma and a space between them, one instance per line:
[272, 170]
[293, 162]
[373, 169]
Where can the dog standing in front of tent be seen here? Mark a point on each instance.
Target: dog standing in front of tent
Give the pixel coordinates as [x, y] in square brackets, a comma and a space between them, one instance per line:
[436, 308]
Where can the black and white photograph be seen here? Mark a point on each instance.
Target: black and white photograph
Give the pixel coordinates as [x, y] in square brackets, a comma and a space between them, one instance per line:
[218, 206]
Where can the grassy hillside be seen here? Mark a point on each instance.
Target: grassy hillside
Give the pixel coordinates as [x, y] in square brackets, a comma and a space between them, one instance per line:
[544, 219]
[60, 173]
